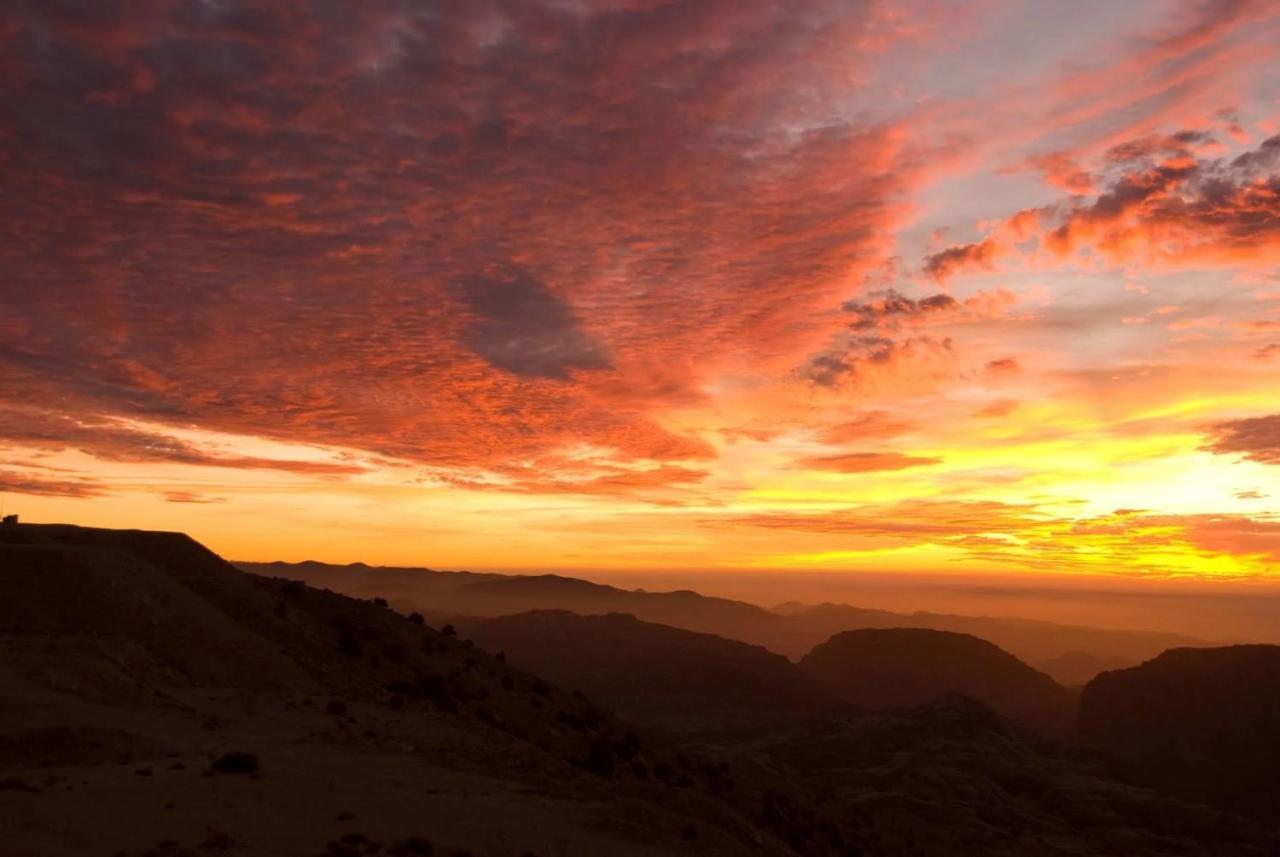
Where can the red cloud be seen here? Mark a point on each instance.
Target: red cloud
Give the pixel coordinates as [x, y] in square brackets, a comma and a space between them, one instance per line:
[25, 483]
[408, 229]
[964, 258]
[1166, 205]
[864, 426]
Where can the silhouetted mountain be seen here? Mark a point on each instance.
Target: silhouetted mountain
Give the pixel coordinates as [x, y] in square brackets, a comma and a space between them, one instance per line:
[1034, 641]
[158, 702]
[1202, 723]
[655, 673]
[880, 668]
[135, 662]
[789, 629]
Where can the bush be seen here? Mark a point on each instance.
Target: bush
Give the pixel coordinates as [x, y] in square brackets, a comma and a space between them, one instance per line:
[600, 756]
[416, 618]
[380, 602]
[235, 763]
[414, 845]
[350, 645]
[449, 631]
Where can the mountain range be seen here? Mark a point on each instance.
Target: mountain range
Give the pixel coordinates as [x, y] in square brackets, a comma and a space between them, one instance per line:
[1072, 654]
[160, 701]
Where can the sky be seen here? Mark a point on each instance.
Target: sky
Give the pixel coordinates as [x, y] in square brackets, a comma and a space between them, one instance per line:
[877, 286]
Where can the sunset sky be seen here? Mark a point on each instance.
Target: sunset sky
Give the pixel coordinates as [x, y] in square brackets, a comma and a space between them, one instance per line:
[753, 284]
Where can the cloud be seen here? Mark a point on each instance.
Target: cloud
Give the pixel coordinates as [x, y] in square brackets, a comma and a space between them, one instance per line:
[521, 327]
[448, 234]
[1253, 438]
[864, 462]
[963, 258]
[1124, 541]
[867, 425]
[1003, 366]
[891, 308]
[874, 345]
[114, 440]
[190, 497]
[1001, 408]
[854, 360]
[25, 483]
[1164, 203]
[1267, 352]
[906, 520]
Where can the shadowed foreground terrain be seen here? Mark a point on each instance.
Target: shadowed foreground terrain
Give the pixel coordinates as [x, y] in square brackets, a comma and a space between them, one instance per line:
[159, 701]
[1201, 723]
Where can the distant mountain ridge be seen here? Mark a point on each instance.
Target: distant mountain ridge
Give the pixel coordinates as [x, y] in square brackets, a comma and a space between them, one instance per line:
[160, 702]
[881, 668]
[791, 629]
[683, 680]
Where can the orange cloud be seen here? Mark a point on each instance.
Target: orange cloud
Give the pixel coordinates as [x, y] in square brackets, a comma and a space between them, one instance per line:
[1254, 438]
[865, 462]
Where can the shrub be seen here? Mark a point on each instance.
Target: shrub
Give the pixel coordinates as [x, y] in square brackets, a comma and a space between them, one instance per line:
[380, 602]
[449, 631]
[600, 756]
[416, 618]
[350, 645]
[235, 763]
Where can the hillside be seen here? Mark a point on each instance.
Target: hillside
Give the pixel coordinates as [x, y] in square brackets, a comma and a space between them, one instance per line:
[879, 668]
[171, 705]
[132, 661]
[680, 679]
[791, 629]
[1202, 723]
[1072, 654]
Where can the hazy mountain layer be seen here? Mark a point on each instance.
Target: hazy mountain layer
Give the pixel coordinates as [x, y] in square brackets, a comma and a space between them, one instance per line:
[789, 629]
[159, 702]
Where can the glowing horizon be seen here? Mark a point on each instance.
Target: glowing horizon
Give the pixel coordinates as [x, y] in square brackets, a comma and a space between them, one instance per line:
[851, 286]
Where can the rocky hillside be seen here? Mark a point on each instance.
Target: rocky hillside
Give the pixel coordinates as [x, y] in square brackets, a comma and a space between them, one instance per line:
[158, 695]
[881, 668]
[1202, 723]
[159, 702]
[680, 679]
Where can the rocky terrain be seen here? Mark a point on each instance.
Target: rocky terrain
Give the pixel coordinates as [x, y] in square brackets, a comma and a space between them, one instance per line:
[161, 702]
[879, 668]
[1200, 723]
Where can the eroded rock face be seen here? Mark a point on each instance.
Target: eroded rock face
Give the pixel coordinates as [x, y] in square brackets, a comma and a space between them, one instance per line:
[1200, 723]
[881, 668]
